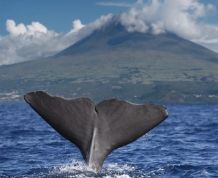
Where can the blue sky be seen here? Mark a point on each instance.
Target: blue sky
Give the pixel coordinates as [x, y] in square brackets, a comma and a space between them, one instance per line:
[55, 14]
[32, 29]
[58, 14]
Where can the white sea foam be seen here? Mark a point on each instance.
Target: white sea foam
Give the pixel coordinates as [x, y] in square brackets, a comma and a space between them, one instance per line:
[9, 95]
[72, 167]
[81, 170]
[118, 176]
[118, 167]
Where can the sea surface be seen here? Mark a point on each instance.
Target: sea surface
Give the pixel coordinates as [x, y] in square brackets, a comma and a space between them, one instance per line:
[184, 145]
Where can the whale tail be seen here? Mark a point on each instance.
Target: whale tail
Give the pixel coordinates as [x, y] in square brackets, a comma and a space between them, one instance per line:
[96, 129]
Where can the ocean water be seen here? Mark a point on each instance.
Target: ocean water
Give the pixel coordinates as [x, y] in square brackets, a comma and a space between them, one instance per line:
[184, 145]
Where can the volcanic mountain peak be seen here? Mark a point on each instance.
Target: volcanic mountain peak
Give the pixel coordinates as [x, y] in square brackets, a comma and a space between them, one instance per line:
[114, 36]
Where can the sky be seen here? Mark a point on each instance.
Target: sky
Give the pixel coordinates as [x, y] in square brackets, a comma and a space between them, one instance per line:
[55, 14]
[29, 28]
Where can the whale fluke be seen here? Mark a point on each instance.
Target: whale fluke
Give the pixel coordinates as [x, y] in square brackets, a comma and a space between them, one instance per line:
[96, 129]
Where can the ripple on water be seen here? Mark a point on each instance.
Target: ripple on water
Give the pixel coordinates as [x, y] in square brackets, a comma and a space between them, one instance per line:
[185, 145]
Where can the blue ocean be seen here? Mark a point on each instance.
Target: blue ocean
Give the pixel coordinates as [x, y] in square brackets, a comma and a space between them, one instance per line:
[184, 145]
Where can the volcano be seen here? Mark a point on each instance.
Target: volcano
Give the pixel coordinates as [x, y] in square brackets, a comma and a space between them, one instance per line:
[114, 36]
[112, 62]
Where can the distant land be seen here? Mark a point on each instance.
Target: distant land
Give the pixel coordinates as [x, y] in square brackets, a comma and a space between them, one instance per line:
[112, 62]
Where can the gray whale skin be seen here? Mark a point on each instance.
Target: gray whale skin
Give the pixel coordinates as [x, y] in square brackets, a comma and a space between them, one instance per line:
[96, 129]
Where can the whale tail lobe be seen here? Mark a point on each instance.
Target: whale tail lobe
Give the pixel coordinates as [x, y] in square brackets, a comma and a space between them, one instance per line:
[96, 129]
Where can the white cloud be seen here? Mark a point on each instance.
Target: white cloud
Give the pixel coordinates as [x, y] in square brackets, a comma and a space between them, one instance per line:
[36, 27]
[101, 21]
[14, 29]
[114, 4]
[77, 25]
[182, 17]
[21, 29]
[28, 42]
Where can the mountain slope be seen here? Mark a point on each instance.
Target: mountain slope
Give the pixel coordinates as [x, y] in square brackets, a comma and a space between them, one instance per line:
[112, 62]
[115, 36]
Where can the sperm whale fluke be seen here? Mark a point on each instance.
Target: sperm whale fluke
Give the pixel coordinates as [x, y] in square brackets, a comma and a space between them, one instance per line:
[96, 129]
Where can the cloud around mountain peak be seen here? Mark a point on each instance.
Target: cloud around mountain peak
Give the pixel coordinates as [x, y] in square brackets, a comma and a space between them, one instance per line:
[182, 17]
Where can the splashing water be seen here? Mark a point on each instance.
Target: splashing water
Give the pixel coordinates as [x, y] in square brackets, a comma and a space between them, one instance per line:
[79, 169]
